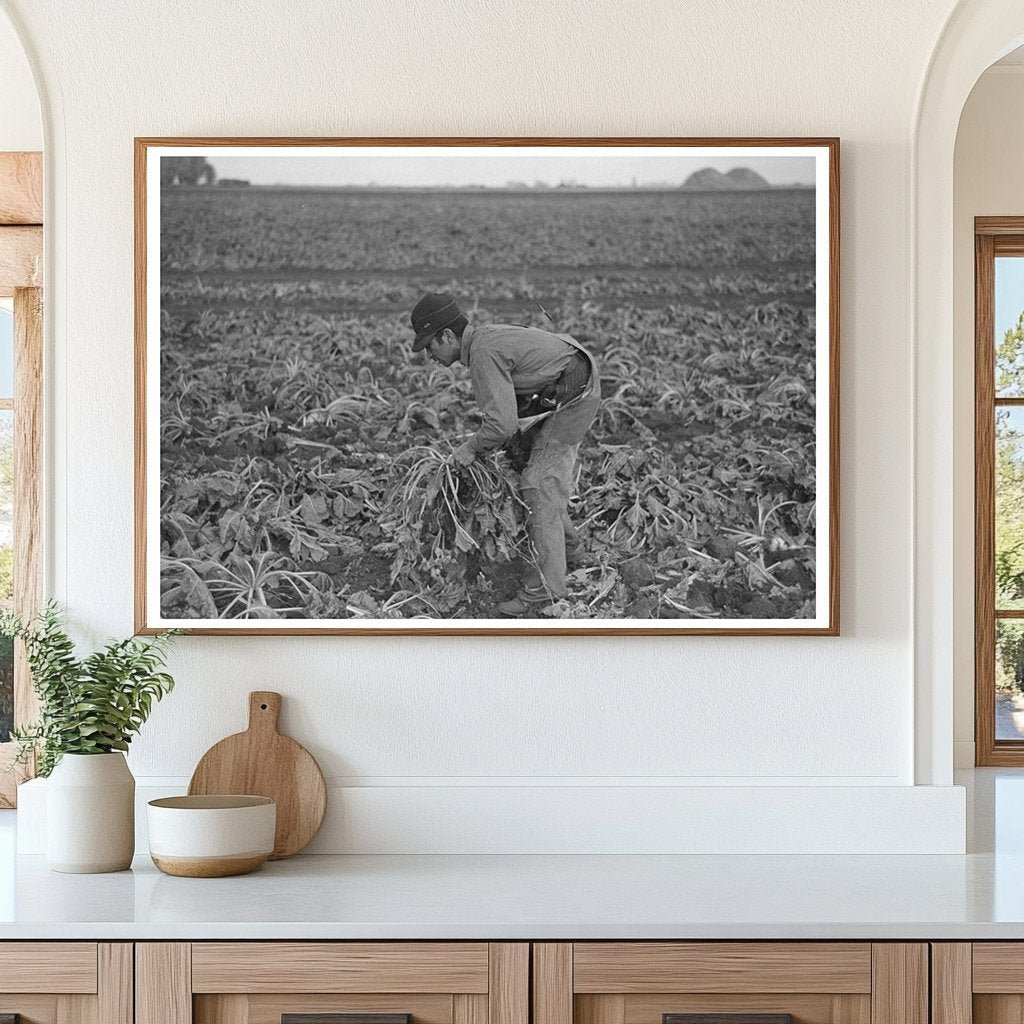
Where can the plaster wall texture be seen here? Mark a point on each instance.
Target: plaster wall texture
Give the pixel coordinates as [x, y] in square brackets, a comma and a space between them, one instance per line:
[492, 711]
[21, 127]
[989, 152]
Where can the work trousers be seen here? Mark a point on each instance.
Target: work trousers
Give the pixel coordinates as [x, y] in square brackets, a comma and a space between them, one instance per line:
[546, 487]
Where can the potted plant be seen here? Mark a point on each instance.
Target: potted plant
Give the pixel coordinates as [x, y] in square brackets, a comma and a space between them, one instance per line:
[89, 710]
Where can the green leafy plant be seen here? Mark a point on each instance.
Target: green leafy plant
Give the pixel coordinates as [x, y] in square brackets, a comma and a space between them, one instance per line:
[89, 705]
[307, 473]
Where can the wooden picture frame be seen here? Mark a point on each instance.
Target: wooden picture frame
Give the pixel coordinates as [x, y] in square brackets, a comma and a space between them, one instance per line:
[223, 264]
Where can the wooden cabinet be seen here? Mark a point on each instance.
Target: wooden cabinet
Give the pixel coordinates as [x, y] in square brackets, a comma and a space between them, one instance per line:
[978, 983]
[494, 983]
[66, 982]
[307, 982]
[656, 982]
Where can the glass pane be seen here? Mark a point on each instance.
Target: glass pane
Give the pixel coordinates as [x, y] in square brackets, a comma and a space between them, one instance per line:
[6, 353]
[6, 570]
[1009, 575]
[1009, 316]
[1009, 679]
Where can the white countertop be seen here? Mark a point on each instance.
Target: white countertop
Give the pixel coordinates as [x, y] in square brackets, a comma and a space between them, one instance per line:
[977, 896]
[516, 897]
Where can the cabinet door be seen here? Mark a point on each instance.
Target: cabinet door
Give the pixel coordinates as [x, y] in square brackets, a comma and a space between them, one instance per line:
[730, 983]
[332, 983]
[981, 982]
[66, 982]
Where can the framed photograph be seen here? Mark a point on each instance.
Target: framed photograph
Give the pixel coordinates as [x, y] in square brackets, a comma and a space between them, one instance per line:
[501, 386]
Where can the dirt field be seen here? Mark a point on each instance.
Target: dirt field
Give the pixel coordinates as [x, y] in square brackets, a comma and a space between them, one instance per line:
[291, 406]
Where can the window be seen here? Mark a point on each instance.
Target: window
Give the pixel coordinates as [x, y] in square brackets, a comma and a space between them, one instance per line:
[21, 318]
[999, 490]
[6, 511]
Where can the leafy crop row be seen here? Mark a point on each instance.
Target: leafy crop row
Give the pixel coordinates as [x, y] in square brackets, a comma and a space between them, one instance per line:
[305, 466]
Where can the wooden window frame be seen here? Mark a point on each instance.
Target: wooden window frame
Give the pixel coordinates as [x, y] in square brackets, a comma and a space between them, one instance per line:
[993, 237]
[21, 278]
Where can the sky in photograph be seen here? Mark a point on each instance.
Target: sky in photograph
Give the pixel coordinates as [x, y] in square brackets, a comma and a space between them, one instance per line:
[412, 168]
[1009, 293]
[6, 353]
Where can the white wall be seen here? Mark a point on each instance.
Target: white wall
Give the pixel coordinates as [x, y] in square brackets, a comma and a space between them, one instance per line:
[987, 182]
[21, 126]
[436, 715]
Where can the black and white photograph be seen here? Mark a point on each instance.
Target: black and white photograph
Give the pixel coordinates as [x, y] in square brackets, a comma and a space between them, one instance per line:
[491, 386]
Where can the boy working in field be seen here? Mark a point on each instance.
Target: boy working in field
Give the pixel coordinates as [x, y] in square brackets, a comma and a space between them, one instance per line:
[521, 372]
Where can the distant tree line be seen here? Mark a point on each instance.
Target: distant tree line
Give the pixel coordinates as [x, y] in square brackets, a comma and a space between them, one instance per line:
[186, 170]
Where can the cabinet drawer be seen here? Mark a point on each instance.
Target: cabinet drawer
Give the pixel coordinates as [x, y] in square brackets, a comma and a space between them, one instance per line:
[634, 967]
[340, 967]
[730, 983]
[332, 983]
[65, 967]
[66, 982]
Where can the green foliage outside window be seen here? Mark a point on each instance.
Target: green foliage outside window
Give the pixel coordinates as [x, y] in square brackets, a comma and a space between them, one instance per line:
[1009, 510]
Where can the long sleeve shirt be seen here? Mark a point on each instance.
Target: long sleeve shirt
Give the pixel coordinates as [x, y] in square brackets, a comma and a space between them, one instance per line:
[505, 360]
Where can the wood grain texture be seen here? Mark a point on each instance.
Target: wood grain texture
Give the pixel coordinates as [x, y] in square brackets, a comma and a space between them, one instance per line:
[1010, 245]
[984, 502]
[831, 144]
[999, 226]
[467, 1009]
[163, 983]
[728, 1018]
[552, 983]
[141, 623]
[262, 762]
[994, 237]
[21, 259]
[849, 1009]
[833, 389]
[998, 967]
[65, 967]
[304, 967]
[636, 967]
[508, 993]
[208, 867]
[346, 1018]
[998, 1009]
[899, 991]
[115, 996]
[28, 484]
[226, 1009]
[805, 1008]
[31, 1009]
[951, 983]
[21, 188]
[76, 1009]
[603, 1009]
[269, 1009]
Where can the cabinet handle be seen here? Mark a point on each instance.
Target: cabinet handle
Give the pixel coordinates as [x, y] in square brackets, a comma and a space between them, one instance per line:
[727, 1018]
[337, 1018]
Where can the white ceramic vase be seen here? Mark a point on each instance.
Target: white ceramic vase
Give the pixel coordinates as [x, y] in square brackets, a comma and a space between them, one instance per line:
[90, 814]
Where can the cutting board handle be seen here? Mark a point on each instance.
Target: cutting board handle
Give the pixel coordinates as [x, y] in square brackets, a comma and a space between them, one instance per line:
[264, 710]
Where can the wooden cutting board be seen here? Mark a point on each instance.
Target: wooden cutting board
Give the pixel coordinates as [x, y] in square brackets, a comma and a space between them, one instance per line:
[262, 762]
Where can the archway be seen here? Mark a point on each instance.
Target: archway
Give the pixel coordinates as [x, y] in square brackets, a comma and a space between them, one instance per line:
[976, 34]
[21, 193]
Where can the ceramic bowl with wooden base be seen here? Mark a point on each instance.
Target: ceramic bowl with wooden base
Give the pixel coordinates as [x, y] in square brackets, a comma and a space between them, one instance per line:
[211, 836]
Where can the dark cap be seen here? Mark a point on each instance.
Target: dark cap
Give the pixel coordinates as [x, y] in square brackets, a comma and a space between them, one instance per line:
[433, 313]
